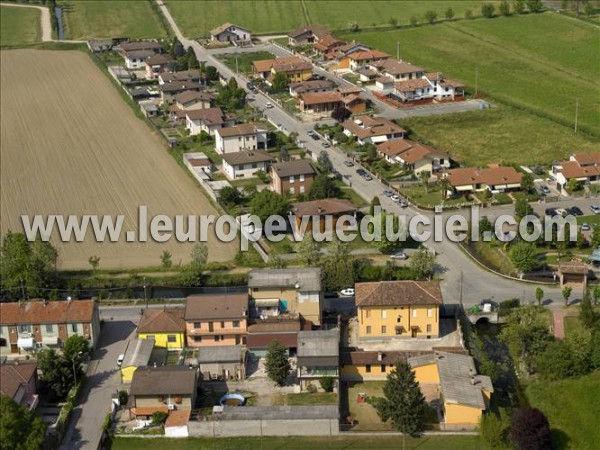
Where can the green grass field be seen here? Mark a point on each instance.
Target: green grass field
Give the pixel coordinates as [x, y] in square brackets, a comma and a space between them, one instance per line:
[500, 134]
[197, 18]
[107, 19]
[19, 26]
[572, 408]
[244, 60]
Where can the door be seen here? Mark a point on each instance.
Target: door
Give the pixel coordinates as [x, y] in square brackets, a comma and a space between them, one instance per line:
[413, 333]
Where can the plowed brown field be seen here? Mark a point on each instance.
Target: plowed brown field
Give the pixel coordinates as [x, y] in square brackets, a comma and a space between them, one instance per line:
[70, 145]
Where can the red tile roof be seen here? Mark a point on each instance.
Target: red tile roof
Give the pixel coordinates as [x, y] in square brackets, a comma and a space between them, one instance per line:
[371, 126]
[397, 293]
[410, 152]
[317, 98]
[56, 311]
[162, 321]
[491, 176]
[368, 54]
[572, 169]
[13, 375]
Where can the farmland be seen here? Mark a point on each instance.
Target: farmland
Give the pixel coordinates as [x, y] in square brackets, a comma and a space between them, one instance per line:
[19, 26]
[516, 62]
[70, 145]
[107, 19]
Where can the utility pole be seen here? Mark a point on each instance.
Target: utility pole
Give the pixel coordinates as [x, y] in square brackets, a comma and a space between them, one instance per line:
[576, 112]
[476, 79]
[22, 290]
[237, 69]
[145, 295]
[398, 50]
[461, 288]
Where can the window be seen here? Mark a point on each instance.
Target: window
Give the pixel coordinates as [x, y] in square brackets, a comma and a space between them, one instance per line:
[171, 338]
[429, 312]
[74, 327]
[383, 329]
[292, 191]
[384, 314]
[301, 178]
[414, 313]
[24, 328]
[398, 330]
[197, 338]
[240, 139]
[222, 324]
[292, 179]
[197, 325]
[368, 368]
[236, 324]
[217, 338]
[368, 329]
[383, 368]
[429, 328]
[254, 165]
[302, 189]
[49, 328]
[399, 319]
[368, 313]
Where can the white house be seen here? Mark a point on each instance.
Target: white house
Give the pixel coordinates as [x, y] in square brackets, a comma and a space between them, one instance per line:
[136, 59]
[584, 167]
[372, 130]
[229, 32]
[414, 155]
[431, 86]
[208, 120]
[400, 70]
[189, 100]
[246, 136]
[246, 163]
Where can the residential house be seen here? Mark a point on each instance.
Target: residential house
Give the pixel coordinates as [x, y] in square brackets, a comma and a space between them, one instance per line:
[372, 130]
[318, 356]
[283, 328]
[319, 102]
[149, 107]
[432, 86]
[157, 64]
[19, 382]
[165, 389]
[325, 213]
[154, 46]
[366, 365]
[399, 70]
[37, 324]
[137, 354]
[353, 101]
[197, 161]
[234, 34]
[246, 163]
[245, 136]
[367, 75]
[136, 59]
[165, 327]
[292, 177]
[328, 44]
[222, 362]
[295, 68]
[294, 291]
[189, 100]
[583, 167]
[360, 59]
[494, 179]
[307, 35]
[341, 53]
[216, 319]
[398, 309]
[445, 88]
[384, 83]
[464, 394]
[305, 87]
[169, 90]
[208, 120]
[414, 156]
[192, 75]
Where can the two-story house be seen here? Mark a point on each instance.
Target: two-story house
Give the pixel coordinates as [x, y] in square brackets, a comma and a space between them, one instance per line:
[245, 136]
[229, 32]
[19, 382]
[156, 64]
[292, 177]
[372, 130]
[307, 35]
[245, 164]
[294, 67]
[414, 155]
[216, 319]
[192, 75]
[398, 309]
[165, 327]
[583, 167]
[400, 70]
[208, 120]
[169, 90]
[27, 326]
[318, 356]
[294, 291]
[189, 100]
[358, 60]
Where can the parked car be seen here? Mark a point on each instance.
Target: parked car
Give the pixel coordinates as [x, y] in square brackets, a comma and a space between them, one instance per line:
[120, 360]
[310, 133]
[403, 203]
[396, 198]
[399, 255]
[562, 212]
[348, 163]
[367, 177]
[269, 105]
[361, 172]
[545, 190]
[585, 227]
[575, 211]
[326, 145]
[348, 292]
[315, 137]
[551, 212]
[595, 209]
[388, 193]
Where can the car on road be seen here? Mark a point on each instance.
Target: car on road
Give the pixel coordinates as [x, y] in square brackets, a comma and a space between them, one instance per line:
[585, 227]
[575, 211]
[399, 255]
[551, 212]
[315, 137]
[595, 209]
[367, 177]
[562, 212]
[348, 163]
[120, 360]
[396, 198]
[545, 190]
[388, 193]
[403, 203]
[268, 105]
[348, 292]
[326, 145]
[361, 172]
[310, 133]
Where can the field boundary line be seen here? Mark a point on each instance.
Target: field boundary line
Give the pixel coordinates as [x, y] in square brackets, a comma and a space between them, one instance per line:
[305, 9]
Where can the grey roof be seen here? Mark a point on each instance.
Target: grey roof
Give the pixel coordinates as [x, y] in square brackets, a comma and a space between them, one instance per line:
[294, 168]
[163, 380]
[459, 381]
[139, 54]
[138, 352]
[308, 279]
[421, 360]
[220, 354]
[318, 343]
[304, 412]
[247, 157]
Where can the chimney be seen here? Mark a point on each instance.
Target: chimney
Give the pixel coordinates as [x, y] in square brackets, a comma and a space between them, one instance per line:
[379, 356]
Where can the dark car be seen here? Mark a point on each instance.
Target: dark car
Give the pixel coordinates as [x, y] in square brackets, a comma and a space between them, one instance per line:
[551, 212]
[315, 137]
[546, 190]
[361, 172]
[575, 211]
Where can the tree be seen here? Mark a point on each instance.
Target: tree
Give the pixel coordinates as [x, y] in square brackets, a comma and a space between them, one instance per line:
[231, 96]
[371, 150]
[596, 237]
[524, 256]
[76, 347]
[229, 196]
[159, 417]
[177, 50]
[267, 203]
[374, 203]
[199, 255]
[430, 16]
[404, 404]
[280, 82]
[596, 294]
[166, 259]
[277, 364]
[485, 225]
[519, 6]
[539, 295]
[327, 383]
[535, 6]
[414, 21]
[523, 208]
[487, 10]
[422, 263]
[338, 269]
[527, 182]
[530, 430]
[492, 429]
[449, 14]
[566, 293]
[504, 8]
[468, 14]
[445, 186]
[308, 250]
[284, 155]
[393, 22]
[277, 262]
[94, 262]
[587, 315]
[211, 73]
[324, 162]
[341, 114]
[388, 246]
[20, 428]
[57, 372]
[192, 60]
[574, 185]
[323, 187]
[424, 177]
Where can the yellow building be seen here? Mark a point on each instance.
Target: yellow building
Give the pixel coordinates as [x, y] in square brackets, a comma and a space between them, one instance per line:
[137, 354]
[398, 309]
[464, 395]
[165, 326]
[295, 67]
[363, 365]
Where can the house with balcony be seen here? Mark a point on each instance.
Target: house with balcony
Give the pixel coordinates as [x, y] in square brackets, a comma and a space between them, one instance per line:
[318, 354]
[307, 35]
[414, 156]
[398, 309]
[237, 138]
[156, 64]
[432, 86]
[291, 291]
[228, 32]
[372, 130]
[583, 167]
[292, 177]
[327, 44]
[37, 324]
[19, 382]
[216, 319]
[245, 164]
[208, 120]
[165, 327]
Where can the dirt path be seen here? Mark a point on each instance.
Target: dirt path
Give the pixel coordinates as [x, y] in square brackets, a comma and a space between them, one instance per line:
[44, 19]
[558, 317]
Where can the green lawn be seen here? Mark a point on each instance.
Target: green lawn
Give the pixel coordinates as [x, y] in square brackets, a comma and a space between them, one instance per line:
[111, 18]
[301, 443]
[244, 60]
[197, 18]
[516, 61]
[572, 408]
[591, 219]
[19, 26]
[308, 398]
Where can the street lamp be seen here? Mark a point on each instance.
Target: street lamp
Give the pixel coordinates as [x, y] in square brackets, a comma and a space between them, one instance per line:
[73, 361]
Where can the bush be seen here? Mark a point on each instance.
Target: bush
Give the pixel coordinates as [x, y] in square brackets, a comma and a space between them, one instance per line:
[159, 417]
[507, 306]
[468, 14]
[123, 397]
[431, 16]
[492, 430]
[487, 10]
[311, 388]
[327, 384]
